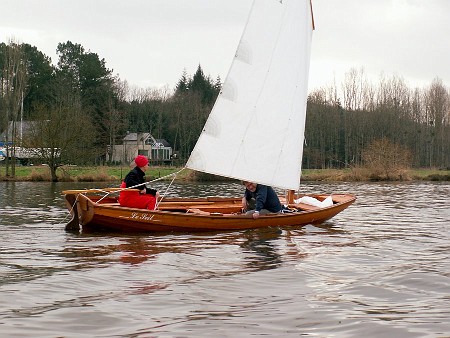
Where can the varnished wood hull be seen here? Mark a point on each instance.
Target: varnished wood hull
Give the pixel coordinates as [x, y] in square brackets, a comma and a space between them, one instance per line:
[189, 215]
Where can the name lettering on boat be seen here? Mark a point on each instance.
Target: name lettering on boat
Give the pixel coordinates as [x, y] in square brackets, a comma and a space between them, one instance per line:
[143, 217]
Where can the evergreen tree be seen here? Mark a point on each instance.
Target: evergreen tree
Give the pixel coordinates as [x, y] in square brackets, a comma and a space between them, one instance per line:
[182, 85]
[40, 76]
[218, 85]
[203, 86]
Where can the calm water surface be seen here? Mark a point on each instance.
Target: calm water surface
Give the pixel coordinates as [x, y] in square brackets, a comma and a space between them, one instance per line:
[380, 268]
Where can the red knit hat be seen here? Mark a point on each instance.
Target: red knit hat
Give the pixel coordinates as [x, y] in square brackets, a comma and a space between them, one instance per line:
[141, 161]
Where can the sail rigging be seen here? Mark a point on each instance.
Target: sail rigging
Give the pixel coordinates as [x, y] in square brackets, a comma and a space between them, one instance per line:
[255, 130]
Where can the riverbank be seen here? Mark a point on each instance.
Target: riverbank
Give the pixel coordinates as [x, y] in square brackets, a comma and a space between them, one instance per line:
[116, 174]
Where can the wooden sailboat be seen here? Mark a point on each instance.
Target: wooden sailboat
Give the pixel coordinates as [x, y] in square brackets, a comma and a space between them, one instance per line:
[255, 132]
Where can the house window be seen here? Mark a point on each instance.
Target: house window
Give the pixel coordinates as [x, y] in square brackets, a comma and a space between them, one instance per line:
[162, 154]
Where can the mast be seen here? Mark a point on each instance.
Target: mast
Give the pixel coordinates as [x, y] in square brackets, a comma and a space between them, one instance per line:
[290, 194]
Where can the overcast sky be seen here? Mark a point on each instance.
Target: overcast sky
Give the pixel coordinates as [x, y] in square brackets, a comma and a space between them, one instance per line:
[150, 42]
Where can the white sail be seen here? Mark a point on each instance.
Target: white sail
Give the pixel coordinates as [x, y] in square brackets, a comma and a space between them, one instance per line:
[255, 131]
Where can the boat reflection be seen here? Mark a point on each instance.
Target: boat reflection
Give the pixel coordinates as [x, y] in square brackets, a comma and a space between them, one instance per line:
[255, 250]
[262, 245]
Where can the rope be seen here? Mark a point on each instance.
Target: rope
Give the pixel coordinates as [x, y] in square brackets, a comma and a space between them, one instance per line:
[107, 193]
[172, 174]
[70, 211]
[138, 185]
[167, 189]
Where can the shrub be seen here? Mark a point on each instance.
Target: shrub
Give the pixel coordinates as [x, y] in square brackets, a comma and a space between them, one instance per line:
[40, 176]
[386, 160]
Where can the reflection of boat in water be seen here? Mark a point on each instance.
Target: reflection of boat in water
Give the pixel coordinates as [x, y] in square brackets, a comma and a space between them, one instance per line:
[255, 249]
[255, 133]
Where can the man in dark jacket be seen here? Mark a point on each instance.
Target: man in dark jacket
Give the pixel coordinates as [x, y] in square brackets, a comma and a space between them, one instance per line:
[260, 199]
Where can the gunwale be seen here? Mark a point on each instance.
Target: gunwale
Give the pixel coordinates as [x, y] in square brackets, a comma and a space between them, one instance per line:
[192, 214]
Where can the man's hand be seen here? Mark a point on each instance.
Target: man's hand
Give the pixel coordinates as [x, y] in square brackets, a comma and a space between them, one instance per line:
[244, 204]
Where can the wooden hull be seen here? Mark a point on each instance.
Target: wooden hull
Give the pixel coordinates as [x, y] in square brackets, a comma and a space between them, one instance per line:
[189, 215]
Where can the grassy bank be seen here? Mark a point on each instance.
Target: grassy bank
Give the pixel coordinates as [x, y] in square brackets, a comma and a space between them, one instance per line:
[85, 174]
[116, 174]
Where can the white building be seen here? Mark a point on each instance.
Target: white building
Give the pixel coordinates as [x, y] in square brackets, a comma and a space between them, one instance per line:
[157, 150]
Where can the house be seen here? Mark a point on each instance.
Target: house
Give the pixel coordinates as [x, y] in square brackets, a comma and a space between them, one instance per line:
[17, 131]
[133, 144]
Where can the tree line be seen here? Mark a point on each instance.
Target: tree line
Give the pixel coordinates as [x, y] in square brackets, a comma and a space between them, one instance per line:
[342, 122]
[78, 107]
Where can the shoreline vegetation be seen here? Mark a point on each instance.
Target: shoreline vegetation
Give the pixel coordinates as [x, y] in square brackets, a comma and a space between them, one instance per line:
[117, 173]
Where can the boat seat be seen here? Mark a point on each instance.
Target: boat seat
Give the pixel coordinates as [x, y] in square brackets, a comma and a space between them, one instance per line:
[223, 208]
[197, 211]
[304, 206]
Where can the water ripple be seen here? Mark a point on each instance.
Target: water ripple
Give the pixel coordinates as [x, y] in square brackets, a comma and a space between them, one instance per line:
[379, 268]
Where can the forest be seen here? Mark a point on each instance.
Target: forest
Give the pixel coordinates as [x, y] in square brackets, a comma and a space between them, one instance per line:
[78, 107]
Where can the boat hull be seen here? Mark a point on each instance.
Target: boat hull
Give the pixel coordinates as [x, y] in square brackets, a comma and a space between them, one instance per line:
[189, 215]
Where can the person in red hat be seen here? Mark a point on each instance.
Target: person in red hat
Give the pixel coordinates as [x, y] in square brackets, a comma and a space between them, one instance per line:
[145, 198]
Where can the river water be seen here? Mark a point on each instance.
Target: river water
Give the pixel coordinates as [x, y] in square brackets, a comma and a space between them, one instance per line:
[380, 268]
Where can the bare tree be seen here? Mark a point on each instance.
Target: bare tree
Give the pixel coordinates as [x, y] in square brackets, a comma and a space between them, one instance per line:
[437, 106]
[13, 83]
[356, 90]
[62, 132]
[115, 118]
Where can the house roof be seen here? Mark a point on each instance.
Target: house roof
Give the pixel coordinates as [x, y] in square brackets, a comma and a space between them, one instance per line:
[163, 142]
[136, 136]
